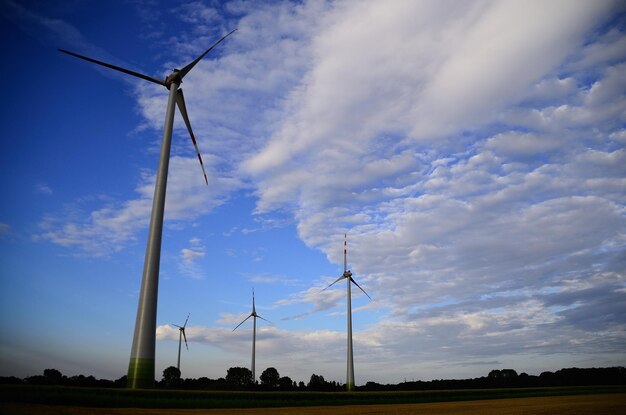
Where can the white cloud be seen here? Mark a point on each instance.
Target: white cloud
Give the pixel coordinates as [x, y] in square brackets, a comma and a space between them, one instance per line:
[518, 144]
[552, 90]
[607, 49]
[189, 257]
[108, 229]
[381, 77]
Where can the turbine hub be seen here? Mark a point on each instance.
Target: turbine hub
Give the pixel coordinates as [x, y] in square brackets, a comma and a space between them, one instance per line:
[174, 77]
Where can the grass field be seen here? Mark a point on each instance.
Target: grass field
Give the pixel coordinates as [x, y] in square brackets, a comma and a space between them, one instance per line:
[601, 404]
[182, 399]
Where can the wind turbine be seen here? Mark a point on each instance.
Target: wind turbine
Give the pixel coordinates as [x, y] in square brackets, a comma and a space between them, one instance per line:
[347, 275]
[255, 316]
[181, 333]
[141, 365]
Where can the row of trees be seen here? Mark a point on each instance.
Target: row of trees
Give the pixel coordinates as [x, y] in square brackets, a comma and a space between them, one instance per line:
[237, 378]
[240, 378]
[55, 377]
[508, 378]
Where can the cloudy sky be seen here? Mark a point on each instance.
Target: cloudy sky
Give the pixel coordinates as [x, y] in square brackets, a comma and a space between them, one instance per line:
[473, 152]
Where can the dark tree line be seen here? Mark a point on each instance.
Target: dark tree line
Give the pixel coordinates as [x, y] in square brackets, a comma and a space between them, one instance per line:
[240, 378]
[508, 378]
[55, 377]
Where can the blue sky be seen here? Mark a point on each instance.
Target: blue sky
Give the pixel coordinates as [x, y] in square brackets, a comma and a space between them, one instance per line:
[472, 151]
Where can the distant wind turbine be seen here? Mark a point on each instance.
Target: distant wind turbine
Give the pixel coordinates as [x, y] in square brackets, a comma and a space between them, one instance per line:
[181, 333]
[255, 316]
[141, 365]
[347, 275]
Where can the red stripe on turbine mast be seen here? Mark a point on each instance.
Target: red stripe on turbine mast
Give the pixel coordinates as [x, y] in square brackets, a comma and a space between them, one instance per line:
[345, 250]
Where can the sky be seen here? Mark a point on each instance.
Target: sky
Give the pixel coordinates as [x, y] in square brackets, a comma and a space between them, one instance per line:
[473, 152]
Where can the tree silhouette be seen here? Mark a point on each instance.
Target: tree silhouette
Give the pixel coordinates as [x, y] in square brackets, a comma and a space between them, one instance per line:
[285, 383]
[317, 382]
[121, 382]
[270, 377]
[239, 377]
[171, 377]
[53, 376]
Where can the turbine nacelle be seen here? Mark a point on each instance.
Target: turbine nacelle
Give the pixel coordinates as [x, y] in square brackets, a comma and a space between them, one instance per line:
[181, 330]
[174, 77]
[347, 275]
[252, 314]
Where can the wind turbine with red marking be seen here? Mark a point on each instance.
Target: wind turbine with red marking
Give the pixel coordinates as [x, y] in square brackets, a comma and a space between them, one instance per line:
[254, 315]
[347, 275]
[142, 356]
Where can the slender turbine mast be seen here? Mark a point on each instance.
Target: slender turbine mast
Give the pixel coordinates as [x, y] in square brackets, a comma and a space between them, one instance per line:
[347, 275]
[181, 333]
[255, 316]
[141, 365]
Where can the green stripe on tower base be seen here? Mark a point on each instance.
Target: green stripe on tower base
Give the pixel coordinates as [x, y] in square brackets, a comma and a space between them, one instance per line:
[140, 373]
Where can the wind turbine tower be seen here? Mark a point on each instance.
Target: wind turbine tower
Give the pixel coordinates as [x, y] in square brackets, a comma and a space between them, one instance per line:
[142, 356]
[254, 315]
[181, 334]
[347, 275]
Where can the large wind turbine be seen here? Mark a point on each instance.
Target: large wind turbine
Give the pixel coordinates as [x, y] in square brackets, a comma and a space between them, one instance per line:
[141, 365]
[255, 316]
[181, 333]
[347, 275]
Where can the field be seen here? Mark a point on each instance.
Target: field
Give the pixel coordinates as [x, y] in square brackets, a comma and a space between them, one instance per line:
[19, 400]
[609, 404]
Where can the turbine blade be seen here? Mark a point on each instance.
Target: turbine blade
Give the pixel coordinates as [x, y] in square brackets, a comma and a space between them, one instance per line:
[176, 325]
[185, 337]
[185, 325]
[352, 279]
[180, 100]
[253, 308]
[242, 322]
[264, 319]
[337, 280]
[117, 68]
[189, 67]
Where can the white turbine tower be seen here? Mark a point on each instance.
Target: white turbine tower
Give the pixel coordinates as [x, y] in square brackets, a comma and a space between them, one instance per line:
[181, 334]
[347, 275]
[255, 316]
[141, 364]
